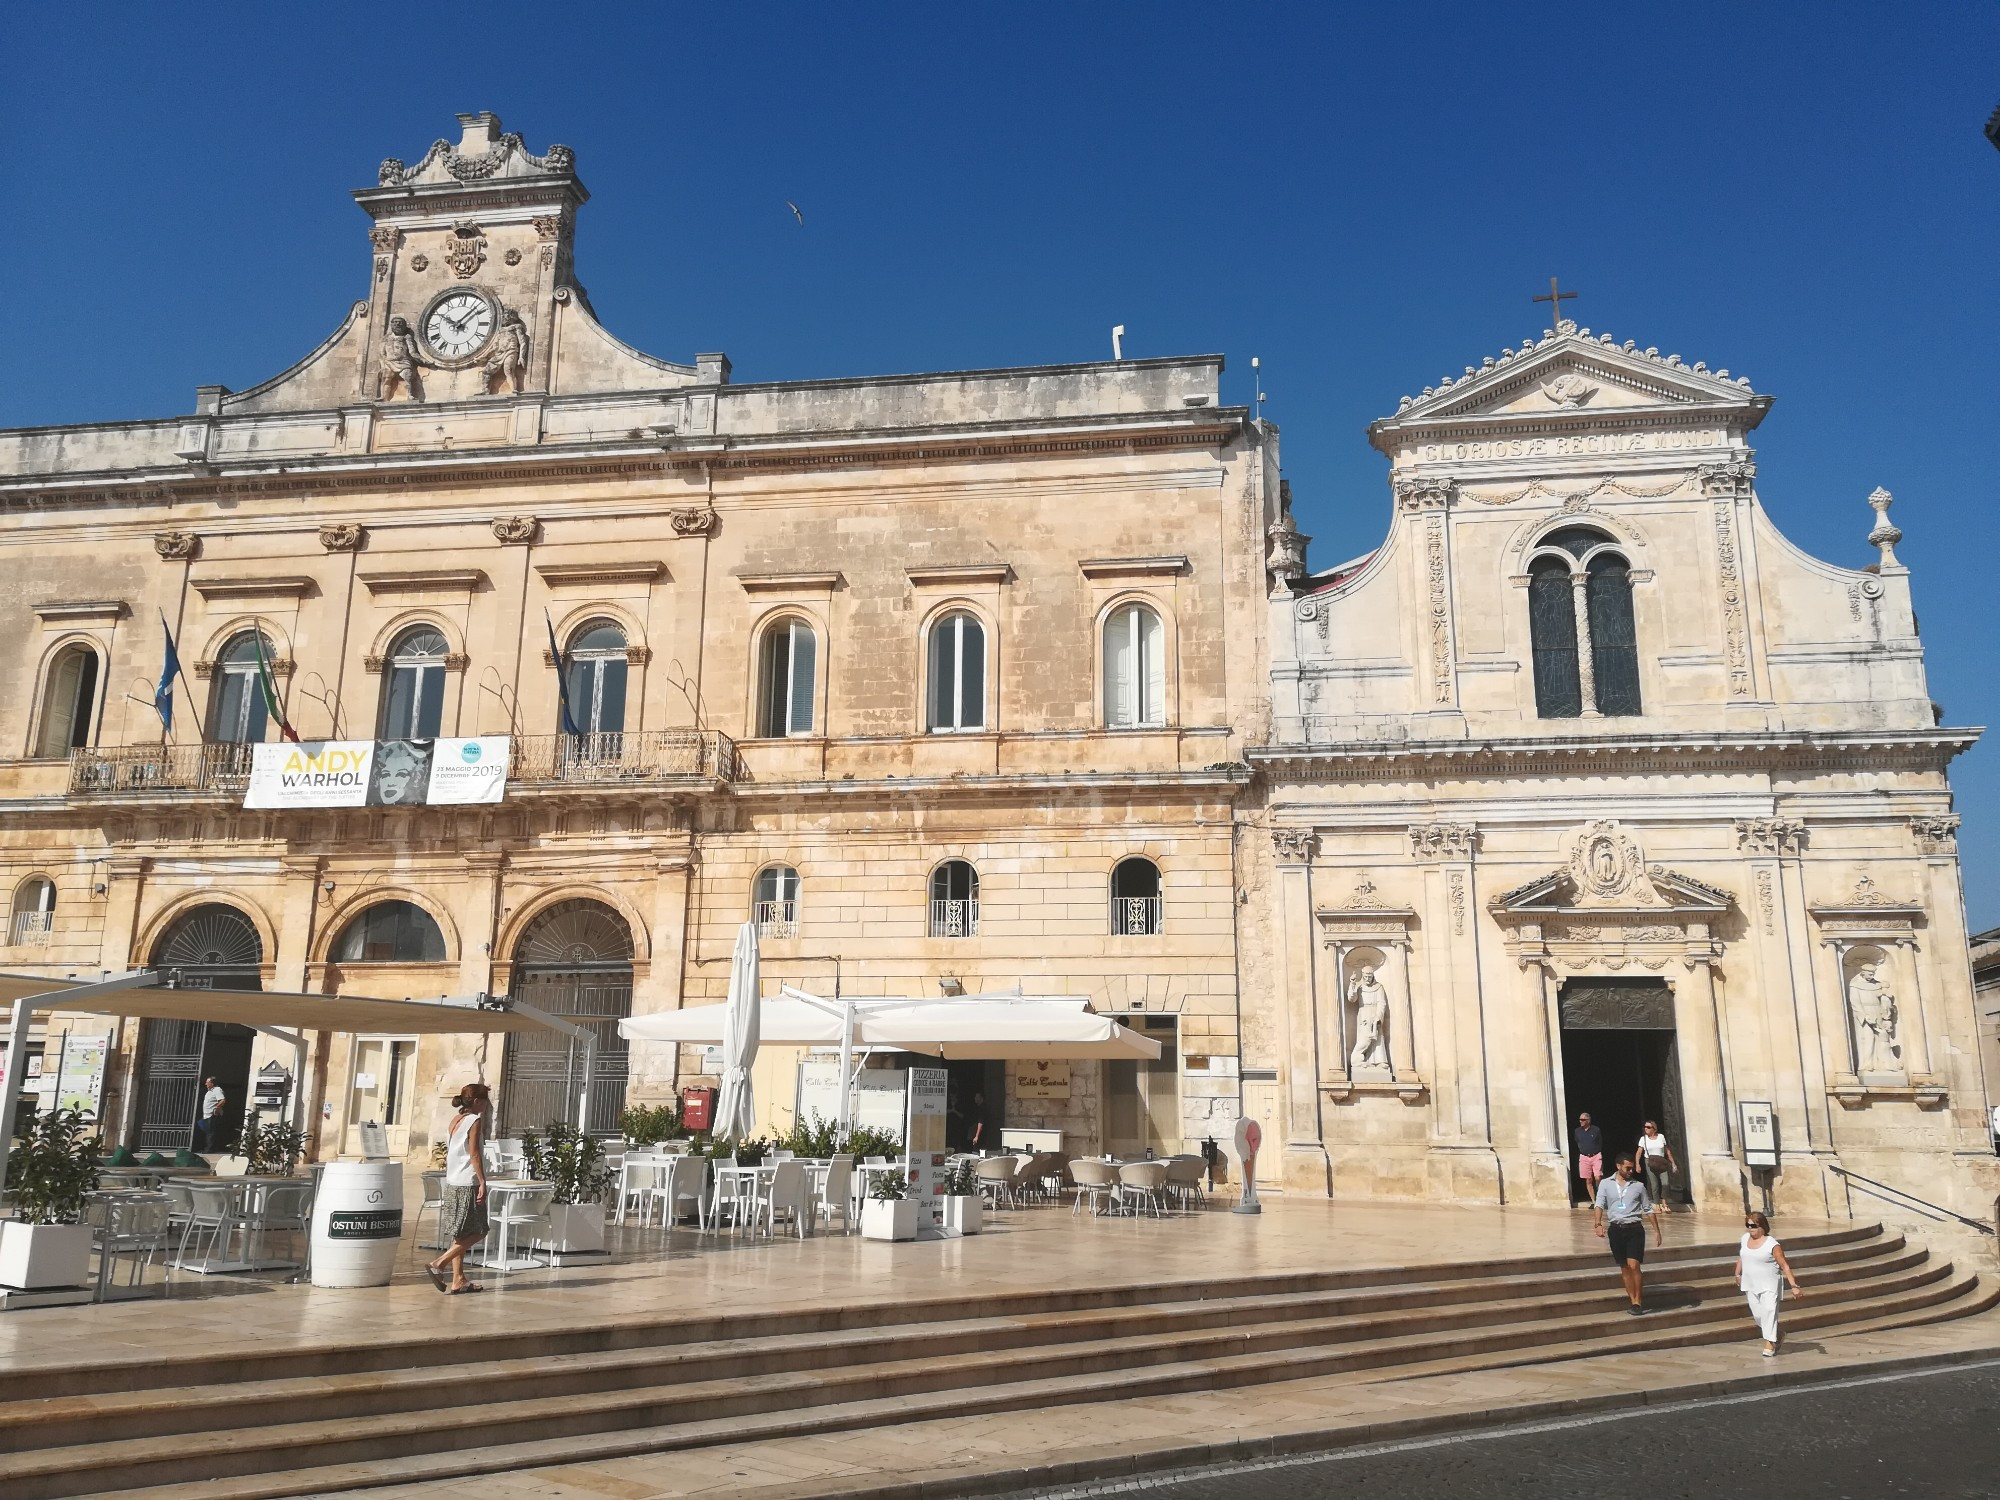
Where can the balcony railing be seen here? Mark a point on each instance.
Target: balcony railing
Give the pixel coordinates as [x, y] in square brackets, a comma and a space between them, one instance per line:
[622, 758]
[125, 770]
[1135, 916]
[954, 919]
[31, 929]
[777, 919]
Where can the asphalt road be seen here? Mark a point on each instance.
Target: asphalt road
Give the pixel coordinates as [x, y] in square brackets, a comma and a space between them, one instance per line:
[1935, 1434]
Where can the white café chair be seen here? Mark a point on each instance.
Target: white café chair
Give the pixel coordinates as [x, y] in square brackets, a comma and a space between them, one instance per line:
[638, 1175]
[519, 1214]
[1141, 1183]
[433, 1204]
[131, 1225]
[212, 1220]
[839, 1196]
[724, 1193]
[996, 1178]
[286, 1208]
[678, 1179]
[1186, 1179]
[1096, 1184]
[791, 1193]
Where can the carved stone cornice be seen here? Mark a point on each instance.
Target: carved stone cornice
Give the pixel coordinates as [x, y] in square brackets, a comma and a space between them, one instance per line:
[1293, 846]
[1443, 840]
[177, 546]
[1770, 836]
[1936, 833]
[343, 536]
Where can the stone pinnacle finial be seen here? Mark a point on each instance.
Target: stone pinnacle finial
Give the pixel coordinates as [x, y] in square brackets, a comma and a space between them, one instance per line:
[1886, 533]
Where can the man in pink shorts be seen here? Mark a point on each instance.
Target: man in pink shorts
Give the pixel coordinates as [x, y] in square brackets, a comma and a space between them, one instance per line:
[1589, 1156]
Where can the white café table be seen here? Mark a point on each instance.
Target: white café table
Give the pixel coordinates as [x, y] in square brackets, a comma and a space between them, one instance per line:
[758, 1180]
[243, 1214]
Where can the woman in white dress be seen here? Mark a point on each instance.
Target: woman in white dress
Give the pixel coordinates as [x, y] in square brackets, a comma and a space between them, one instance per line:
[1760, 1263]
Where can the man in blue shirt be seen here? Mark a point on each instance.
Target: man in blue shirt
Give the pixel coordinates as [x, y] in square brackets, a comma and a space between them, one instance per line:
[1623, 1201]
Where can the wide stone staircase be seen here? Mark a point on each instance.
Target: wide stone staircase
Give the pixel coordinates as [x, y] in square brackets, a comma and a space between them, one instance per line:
[314, 1420]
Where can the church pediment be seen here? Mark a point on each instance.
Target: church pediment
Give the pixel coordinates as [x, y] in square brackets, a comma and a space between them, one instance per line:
[1607, 876]
[1576, 380]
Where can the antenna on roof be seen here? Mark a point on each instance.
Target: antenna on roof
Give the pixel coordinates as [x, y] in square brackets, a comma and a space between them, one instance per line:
[1118, 342]
[1257, 374]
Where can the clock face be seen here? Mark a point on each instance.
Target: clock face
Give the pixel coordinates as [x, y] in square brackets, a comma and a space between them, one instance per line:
[458, 325]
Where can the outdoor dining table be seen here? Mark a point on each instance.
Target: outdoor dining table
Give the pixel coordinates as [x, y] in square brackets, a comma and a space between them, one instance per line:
[244, 1214]
[760, 1176]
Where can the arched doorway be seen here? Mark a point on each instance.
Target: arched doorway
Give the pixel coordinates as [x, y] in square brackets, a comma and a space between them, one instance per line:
[212, 947]
[573, 961]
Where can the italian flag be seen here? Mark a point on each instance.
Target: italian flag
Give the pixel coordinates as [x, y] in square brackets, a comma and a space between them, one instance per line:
[270, 691]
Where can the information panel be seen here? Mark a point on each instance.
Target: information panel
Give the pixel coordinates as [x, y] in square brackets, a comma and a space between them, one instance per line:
[378, 773]
[1760, 1133]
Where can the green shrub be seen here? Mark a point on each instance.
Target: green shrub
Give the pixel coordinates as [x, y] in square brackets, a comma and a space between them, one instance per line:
[887, 1187]
[649, 1124]
[271, 1150]
[52, 1167]
[569, 1161]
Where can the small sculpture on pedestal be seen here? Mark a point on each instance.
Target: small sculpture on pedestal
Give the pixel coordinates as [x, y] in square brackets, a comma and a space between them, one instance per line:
[1873, 1007]
[1371, 1023]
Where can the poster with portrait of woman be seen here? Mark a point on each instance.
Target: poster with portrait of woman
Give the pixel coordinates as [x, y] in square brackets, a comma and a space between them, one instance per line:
[379, 773]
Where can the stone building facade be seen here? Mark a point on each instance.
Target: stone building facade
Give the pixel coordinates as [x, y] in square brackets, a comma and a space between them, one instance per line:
[1587, 790]
[938, 677]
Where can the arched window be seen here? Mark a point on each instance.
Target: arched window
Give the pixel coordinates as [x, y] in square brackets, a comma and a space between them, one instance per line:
[1135, 671]
[1580, 623]
[1135, 898]
[413, 697]
[69, 702]
[958, 674]
[34, 912]
[390, 932]
[776, 906]
[597, 668]
[236, 714]
[1614, 640]
[786, 661]
[954, 900]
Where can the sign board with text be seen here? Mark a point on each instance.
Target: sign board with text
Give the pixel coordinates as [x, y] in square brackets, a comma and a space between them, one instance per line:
[378, 773]
[923, 1143]
[1041, 1078]
[1760, 1133]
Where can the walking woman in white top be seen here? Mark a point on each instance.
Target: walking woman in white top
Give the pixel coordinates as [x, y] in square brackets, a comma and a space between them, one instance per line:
[463, 1216]
[1760, 1260]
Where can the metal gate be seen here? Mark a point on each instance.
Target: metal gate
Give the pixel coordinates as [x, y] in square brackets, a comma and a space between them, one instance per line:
[213, 948]
[574, 961]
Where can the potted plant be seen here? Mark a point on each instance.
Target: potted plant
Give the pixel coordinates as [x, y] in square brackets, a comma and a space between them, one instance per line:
[272, 1150]
[50, 1171]
[648, 1124]
[572, 1163]
[888, 1214]
[960, 1209]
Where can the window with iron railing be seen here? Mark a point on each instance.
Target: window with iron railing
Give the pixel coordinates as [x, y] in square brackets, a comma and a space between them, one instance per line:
[954, 900]
[33, 916]
[1135, 898]
[775, 904]
[777, 919]
[32, 928]
[954, 919]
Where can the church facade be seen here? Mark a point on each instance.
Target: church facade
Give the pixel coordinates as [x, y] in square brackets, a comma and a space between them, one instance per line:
[1590, 793]
[943, 680]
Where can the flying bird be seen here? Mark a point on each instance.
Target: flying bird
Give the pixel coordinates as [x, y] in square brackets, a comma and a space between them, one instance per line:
[795, 212]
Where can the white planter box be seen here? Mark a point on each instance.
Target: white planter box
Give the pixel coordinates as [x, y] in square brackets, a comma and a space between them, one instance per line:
[961, 1215]
[894, 1219]
[573, 1228]
[44, 1255]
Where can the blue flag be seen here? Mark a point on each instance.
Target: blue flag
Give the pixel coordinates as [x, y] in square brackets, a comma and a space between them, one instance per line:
[163, 695]
[568, 719]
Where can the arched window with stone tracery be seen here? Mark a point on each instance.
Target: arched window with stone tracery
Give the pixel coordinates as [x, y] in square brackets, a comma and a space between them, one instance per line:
[1581, 627]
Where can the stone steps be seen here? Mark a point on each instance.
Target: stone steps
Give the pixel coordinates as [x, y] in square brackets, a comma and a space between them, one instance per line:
[318, 1434]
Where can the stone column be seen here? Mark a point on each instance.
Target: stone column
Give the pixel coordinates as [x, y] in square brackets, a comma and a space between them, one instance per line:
[656, 1065]
[1304, 1164]
[1332, 987]
[1713, 1171]
[1463, 1164]
[1586, 662]
[1912, 1024]
[1402, 1018]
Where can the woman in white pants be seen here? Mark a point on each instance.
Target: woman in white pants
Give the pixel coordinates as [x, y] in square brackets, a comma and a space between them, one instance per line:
[1760, 1262]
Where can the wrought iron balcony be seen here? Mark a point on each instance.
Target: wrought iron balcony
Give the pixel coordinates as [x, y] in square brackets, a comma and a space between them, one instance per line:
[32, 928]
[139, 770]
[622, 758]
[953, 919]
[1135, 916]
[777, 919]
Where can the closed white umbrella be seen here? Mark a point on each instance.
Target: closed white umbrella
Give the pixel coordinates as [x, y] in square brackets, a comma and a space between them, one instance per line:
[736, 1110]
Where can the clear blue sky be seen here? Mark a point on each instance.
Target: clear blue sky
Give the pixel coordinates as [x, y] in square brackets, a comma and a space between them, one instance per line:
[1366, 199]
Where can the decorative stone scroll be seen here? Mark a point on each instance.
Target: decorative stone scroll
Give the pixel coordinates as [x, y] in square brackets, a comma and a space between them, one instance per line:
[1936, 834]
[1443, 840]
[694, 520]
[515, 530]
[177, 546]
[343, 536]
[1294, 846]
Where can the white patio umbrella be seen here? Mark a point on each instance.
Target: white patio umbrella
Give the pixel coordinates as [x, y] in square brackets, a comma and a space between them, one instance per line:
[736, 1109]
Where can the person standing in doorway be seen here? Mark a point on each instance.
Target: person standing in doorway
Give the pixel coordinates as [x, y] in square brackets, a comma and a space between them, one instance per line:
[1620, 1211]
[208, 1129]
[981, 1141]
[462, 1221]
[1589, 1156]
[1760, 1261]
[1656, 1162]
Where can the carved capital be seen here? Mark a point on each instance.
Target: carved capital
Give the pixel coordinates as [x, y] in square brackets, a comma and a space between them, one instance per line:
[638, 656]
[1422, 493]
[1936, 835]
[1294, 846]
[386, 238]
[1770, 836]
[551, 226]
[176, 546]
[515, 530]
[1729, 481]
[456, 661]
[343, 536]
[1443, 840]
[204, 670]
[374, 664]
[694, 520]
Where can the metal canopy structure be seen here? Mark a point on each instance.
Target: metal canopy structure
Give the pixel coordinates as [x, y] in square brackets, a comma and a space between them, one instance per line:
[150, 994]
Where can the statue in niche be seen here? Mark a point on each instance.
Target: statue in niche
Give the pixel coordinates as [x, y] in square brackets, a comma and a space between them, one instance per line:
[400, 360]
[1371, 1023]
[509, 359]
[1873, 1006]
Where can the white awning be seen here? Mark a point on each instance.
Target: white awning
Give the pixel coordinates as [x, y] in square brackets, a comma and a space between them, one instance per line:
[969, 1026]
[282, 1008]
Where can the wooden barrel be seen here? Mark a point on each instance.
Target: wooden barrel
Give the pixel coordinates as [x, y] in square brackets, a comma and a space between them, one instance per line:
[357, 1223]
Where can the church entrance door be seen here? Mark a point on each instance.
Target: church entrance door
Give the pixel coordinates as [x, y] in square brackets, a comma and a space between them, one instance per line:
[1621, 1067]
